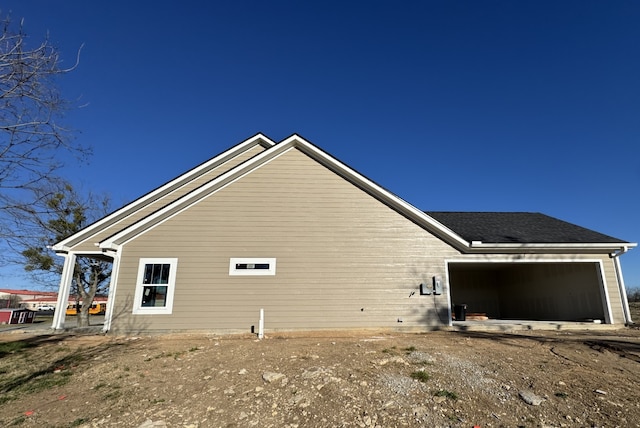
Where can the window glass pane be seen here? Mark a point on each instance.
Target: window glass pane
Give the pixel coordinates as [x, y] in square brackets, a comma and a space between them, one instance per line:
[252, 265]
[156, 274]
[148, 271]
[164, 274]
[154, 296]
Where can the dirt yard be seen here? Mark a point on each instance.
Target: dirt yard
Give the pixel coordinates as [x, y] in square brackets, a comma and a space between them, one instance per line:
[356, 379]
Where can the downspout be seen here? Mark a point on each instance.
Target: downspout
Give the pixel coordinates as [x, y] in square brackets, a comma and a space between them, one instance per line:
[623, 291]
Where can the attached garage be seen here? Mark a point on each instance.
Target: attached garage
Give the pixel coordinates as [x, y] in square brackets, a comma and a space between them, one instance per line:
[542, 291]
[533, 267]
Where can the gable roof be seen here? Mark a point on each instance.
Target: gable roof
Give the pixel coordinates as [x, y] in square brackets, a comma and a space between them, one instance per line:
[468, 232]
[518, 227]
[294, 142]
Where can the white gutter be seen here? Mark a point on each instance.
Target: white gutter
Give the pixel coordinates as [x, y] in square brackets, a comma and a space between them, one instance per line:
[623, 290]
[481, 246]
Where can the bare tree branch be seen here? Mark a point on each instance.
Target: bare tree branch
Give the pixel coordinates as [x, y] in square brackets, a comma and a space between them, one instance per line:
[32, 136]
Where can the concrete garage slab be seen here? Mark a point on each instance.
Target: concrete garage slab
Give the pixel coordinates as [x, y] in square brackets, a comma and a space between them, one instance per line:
[523, 325]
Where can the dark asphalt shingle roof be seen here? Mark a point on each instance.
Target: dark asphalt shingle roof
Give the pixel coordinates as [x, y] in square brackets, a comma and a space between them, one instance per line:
[517, 227]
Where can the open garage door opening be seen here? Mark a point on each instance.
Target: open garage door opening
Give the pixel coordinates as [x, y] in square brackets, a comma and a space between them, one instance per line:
[559, 291]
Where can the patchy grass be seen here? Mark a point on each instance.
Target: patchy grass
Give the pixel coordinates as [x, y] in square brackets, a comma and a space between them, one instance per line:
[18, 421]
[39, 364]
[175, 355]
[422, 376]
[46, 381]
[448, 394]
[21, 385]
[13, 347]
[113, 395]
[410, 349]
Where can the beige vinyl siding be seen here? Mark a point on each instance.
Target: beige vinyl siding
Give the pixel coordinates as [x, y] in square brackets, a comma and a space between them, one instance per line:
[89, 243]
[344, 259]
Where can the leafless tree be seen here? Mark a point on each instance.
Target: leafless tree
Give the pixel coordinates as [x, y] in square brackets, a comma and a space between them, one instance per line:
[11, 301]
[32, 139]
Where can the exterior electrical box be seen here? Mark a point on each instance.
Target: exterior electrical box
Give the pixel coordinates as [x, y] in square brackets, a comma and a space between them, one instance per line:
[425, 289]
[437, 285]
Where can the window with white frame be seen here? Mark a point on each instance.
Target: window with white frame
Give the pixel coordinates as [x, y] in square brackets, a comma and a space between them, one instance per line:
[155, 286]
[252, 266]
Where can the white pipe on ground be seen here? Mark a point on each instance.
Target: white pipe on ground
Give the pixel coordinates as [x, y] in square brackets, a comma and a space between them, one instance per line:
[261, 325]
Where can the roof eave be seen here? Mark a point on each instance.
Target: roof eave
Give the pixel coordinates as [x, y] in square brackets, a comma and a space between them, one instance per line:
[59, 248]
[599, 247]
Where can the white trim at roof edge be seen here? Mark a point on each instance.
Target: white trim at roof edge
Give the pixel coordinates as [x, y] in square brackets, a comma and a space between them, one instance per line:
[478, 246]
[87, 232]
[624, 249]
[297, 142]
[99, 253]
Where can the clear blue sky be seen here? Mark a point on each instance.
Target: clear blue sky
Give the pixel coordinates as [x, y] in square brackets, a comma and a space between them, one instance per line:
[452, 105]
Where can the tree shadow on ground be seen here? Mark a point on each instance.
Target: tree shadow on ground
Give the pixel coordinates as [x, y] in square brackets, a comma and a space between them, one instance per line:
[69, 360]
[625, 343]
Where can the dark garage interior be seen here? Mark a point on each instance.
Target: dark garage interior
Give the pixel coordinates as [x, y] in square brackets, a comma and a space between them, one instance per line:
[540, 291]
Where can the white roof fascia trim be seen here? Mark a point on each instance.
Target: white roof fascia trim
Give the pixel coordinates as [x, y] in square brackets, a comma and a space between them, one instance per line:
[187, 176]
[481, 246]
[119, 239]
[112, 247]
[395, 201]
[98, 252]
[63, 249]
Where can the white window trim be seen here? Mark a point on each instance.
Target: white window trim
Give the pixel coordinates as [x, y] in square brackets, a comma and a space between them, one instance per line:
[252, 272]
[171, 285]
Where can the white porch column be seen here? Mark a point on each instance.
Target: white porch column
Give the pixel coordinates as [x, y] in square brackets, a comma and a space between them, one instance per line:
[63, 292]
[113, 281]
